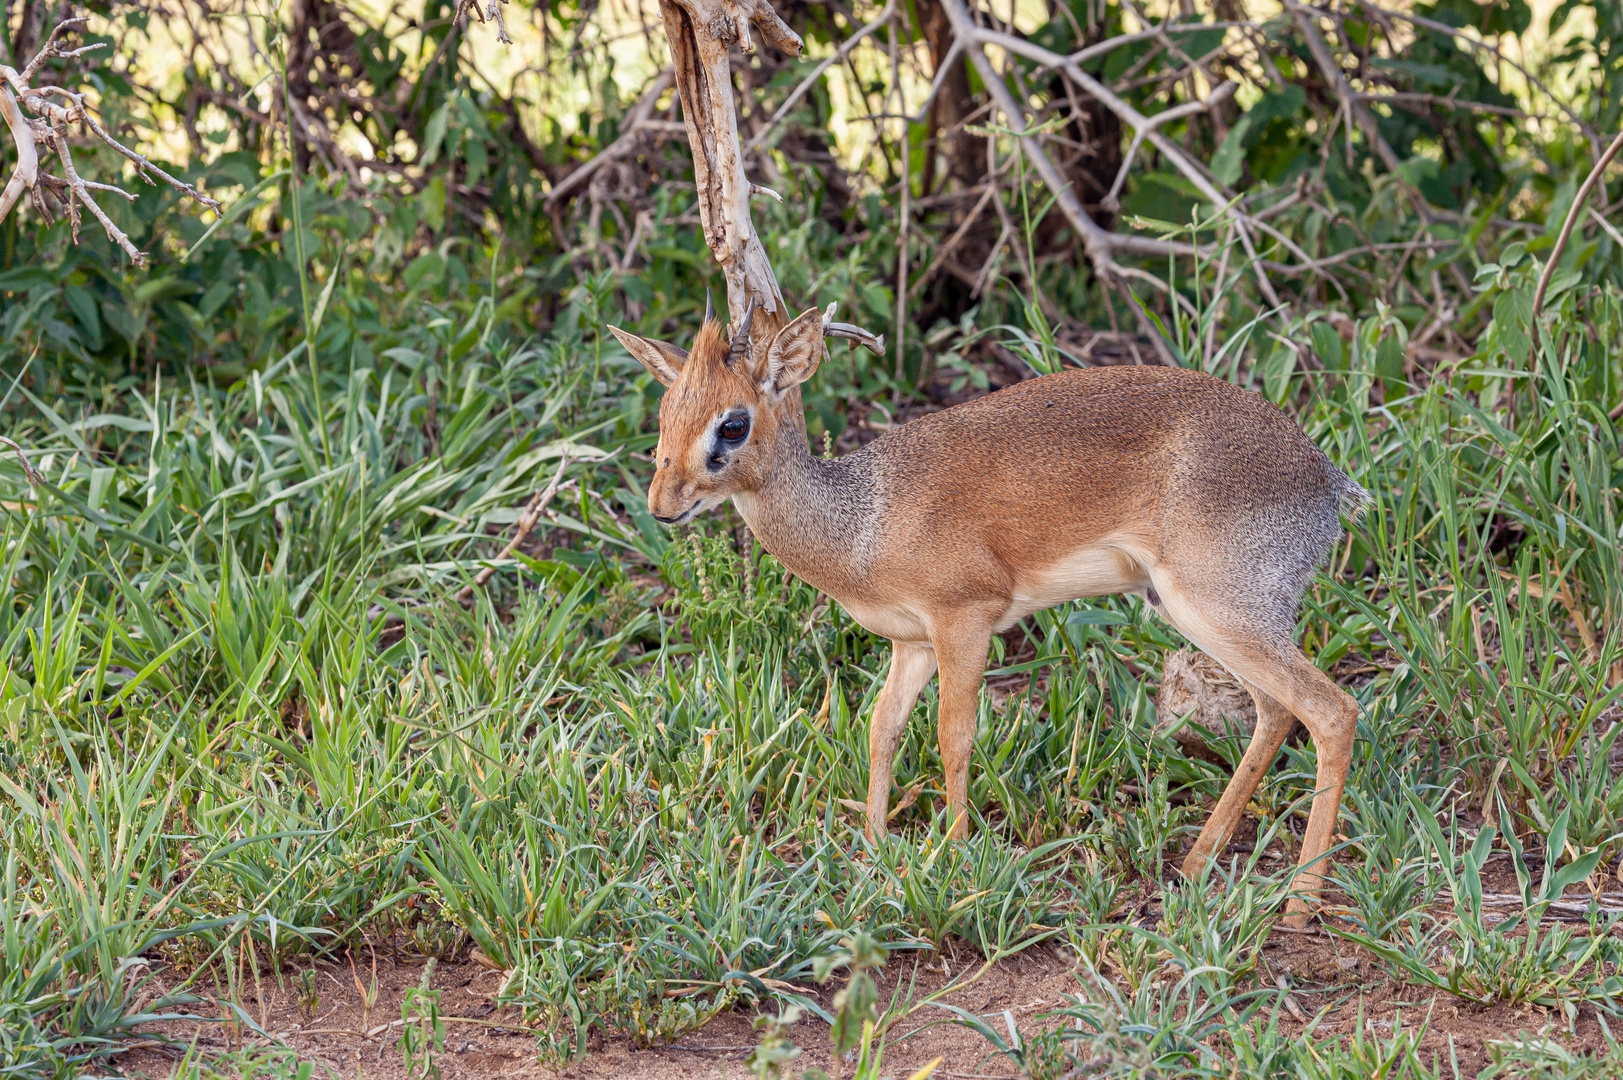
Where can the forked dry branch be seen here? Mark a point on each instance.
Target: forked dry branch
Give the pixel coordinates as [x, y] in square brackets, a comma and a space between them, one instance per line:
[48, 128]
[701, 35]
[492, 12]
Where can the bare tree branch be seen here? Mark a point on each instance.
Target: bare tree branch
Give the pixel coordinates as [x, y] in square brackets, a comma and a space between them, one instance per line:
[1129, 115]
[1578, 202]
[49, 125]
[620, 147]
[1330, 68]
[1482, 46]
[838, 55]
[25, 177]
[526, 522]
[1223, 92]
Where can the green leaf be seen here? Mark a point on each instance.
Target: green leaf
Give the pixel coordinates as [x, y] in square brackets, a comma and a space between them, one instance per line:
[434, 136]
[1229, 160]
[1276, 373]
[1513, 319]
[1328, 346]
[426, 271]
[1096, 617]
[83, 305]
[24, 801]
[1389, 362]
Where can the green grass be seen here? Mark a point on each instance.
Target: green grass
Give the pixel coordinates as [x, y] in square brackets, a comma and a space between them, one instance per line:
[242, 720]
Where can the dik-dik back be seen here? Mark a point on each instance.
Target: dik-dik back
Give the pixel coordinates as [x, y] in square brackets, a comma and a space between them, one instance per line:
[1037, 490]
[1200, 497]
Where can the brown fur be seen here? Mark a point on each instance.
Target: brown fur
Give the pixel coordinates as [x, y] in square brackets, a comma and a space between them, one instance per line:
[1201, 497]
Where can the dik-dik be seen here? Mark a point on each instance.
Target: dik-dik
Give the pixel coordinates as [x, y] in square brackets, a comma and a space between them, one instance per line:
[1200, 497]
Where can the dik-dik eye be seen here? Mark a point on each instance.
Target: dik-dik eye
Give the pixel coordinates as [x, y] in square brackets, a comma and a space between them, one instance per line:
[734, 428]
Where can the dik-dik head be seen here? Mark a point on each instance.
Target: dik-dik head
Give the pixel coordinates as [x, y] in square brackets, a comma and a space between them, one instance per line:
[722, 411]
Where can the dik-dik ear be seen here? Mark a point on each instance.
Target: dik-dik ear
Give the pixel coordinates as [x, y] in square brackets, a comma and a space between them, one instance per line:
[662, 359]
[794, 354]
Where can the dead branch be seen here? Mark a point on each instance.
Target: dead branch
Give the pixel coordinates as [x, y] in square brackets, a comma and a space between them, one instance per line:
[1158, 32]
[873, 343]
[640, 122]
[48, 126]
[1100, 244]
[1170, 150]
[1316, 265]
[35, 479]
[1578, 202]
[492, 13]
[1449, 101]
[1481, 46]
[947, 249]
[1223, 92]
[25, 177]
[526, 522]
[1330, 68]
[701, 34]
[884, 17]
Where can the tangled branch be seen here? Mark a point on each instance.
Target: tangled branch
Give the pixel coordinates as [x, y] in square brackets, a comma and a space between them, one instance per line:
[47, 128]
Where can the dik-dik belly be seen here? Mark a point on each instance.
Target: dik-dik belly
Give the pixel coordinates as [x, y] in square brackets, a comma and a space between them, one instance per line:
[1114, 565]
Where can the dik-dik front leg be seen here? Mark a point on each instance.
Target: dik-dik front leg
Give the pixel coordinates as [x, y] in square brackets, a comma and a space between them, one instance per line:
[960, 647]
[910, 668]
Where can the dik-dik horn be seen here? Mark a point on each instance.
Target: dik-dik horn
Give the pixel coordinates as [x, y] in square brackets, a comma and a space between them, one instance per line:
[1201, 497]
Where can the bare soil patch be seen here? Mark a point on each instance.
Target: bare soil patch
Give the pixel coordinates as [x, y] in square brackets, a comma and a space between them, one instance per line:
[485, 1042]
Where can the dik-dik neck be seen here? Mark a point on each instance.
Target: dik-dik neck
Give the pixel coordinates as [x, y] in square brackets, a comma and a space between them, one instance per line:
[820, 518]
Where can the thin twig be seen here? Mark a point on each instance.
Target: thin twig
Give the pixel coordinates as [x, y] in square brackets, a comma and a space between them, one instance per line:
[50, 125]
[1290, 1002]
[884, 16]
[1482, 46]
[526, 522]
[34, 476]
[1330, 68]
[1175, 154]
[1223, 92]
[1448, 102]
[1573, 211]
[640, 121]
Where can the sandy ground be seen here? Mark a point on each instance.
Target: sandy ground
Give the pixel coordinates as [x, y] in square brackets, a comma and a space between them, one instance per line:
[351, 1041]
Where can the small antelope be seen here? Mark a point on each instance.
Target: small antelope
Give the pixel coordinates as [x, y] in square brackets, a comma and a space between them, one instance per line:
[1202, 498]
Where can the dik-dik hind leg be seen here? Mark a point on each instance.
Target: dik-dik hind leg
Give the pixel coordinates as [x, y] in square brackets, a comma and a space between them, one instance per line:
[1273, 724]
[960, 647]
[1330, 715]
[910, 668]
[1281, 671]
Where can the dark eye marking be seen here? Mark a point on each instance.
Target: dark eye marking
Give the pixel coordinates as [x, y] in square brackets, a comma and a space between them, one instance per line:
[730, 435]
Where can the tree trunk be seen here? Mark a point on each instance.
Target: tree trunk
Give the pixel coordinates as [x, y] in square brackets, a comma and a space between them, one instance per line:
[963, 155]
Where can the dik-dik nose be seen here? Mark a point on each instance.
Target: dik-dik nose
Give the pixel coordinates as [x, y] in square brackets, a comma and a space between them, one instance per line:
[668, 497]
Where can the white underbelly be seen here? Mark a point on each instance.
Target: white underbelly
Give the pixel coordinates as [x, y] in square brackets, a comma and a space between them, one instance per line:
[1096, 570]
[888, 620]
